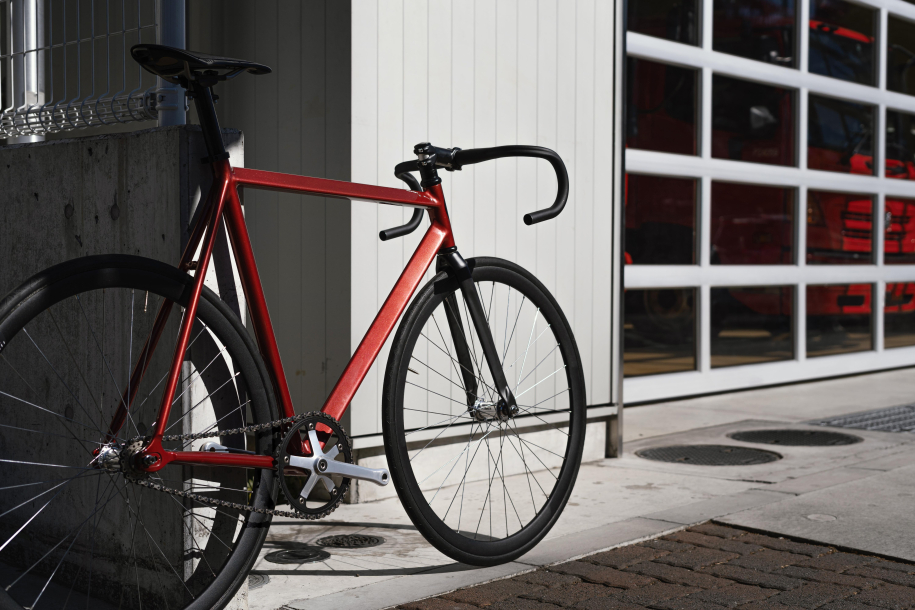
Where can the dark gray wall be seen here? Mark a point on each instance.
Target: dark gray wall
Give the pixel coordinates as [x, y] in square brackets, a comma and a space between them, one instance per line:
[296, 120]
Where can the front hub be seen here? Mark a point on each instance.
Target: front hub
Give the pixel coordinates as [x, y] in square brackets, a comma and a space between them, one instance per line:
[485, 410]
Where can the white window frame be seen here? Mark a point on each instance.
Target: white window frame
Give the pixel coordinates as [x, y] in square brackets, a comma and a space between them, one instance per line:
[702, 167]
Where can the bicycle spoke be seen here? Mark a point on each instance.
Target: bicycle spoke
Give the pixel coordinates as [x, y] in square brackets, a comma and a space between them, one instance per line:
[70, 391]
[458, 416]
[433, 440]
[442, 376]
[104, 359]
[550, 353]
[62, 540]
[201, 401]
[541, 381]
[447, 353]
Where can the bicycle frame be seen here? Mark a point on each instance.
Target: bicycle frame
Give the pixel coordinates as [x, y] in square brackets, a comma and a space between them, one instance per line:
[224, 205]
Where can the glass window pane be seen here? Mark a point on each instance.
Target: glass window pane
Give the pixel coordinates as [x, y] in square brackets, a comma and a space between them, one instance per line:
[661, 107]
[676, 20]
[900, 145]
[839, 228]
[756, 29]
[752, 122]
[899, 240]
[899, 315]
[660, 220]
[842, 41]
[752, 225]
[751, 325]
[838, 319]
[900, 56]
[659, 331]
[839, 136]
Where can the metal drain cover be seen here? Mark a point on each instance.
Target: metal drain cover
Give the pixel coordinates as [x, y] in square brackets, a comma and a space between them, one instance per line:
[298, 555]
[709, 455]
[796, 438]
[257, 580]
[893, 419]
[350, 541]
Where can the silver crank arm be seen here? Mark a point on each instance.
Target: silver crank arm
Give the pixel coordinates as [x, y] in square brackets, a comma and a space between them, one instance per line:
[378, 476]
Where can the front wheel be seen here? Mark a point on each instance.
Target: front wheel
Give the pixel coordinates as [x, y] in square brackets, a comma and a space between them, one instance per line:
[483, 488]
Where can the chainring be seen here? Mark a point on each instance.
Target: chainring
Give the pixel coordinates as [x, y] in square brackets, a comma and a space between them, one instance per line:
[324, 498]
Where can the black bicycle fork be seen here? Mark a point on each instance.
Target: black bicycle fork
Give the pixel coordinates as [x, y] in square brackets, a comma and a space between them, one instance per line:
[452, 261]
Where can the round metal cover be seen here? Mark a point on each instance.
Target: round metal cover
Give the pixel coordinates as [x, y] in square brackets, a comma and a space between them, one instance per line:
[298, 555]
[257, 580]
[709, 455]
[351, 541]
[796, 438]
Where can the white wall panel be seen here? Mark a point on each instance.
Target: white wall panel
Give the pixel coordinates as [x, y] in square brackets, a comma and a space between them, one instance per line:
[489, 73]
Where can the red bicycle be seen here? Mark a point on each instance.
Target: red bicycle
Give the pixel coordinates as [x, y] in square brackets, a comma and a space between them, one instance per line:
[147, 440]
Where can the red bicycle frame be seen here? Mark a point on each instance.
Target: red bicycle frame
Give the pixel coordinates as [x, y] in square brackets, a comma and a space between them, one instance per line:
[224, 205]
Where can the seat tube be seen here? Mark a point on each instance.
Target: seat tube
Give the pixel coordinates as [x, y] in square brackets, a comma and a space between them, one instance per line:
[209, 123]
[154, 450]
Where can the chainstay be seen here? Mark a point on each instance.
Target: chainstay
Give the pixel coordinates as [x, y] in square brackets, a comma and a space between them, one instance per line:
[225, 504]
[278, 423]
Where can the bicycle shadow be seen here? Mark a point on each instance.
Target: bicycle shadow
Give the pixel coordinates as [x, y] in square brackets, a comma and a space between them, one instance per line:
[342, 562]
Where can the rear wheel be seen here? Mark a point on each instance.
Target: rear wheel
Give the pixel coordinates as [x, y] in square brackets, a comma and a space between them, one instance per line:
[76, 536]
[481, 488]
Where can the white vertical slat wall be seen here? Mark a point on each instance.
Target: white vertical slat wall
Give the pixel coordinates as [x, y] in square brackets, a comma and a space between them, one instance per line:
[490, 73]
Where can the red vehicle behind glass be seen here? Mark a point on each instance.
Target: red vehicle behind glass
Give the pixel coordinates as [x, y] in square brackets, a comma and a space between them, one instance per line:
[753, 122]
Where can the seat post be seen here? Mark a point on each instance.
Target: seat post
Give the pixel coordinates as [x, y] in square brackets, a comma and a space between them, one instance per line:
[206, 112]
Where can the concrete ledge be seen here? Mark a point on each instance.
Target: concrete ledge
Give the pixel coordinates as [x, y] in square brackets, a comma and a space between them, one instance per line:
[393, 592]
[575, 546]
[698, 512]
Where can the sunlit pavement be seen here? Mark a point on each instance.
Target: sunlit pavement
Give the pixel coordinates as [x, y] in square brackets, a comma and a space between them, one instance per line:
[854, 496]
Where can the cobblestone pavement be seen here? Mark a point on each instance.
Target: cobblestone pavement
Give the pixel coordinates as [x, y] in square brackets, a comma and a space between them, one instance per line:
[706, 567]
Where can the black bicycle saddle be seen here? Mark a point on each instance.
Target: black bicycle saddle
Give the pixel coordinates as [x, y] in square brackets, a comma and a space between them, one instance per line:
[178, 65]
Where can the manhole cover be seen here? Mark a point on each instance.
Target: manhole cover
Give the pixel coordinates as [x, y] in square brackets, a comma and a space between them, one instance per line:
[893, 419]
[351, 541]
[709, 455]
[256, 580]
[796, 438]
[303, 554]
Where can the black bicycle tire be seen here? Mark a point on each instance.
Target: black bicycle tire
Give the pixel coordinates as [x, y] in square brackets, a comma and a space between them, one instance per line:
[125, 271]
[438, 534]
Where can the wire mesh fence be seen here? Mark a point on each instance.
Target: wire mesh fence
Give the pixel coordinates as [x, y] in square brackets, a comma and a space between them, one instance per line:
[65, 64]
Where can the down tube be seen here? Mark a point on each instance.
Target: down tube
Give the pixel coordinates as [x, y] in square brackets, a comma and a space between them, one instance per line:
[384, 322]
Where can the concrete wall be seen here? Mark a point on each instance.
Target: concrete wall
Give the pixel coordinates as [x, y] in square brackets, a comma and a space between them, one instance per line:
[122, 193]
[126, 194]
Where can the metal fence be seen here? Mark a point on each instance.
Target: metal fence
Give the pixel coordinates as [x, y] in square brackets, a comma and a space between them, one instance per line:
[65, 64]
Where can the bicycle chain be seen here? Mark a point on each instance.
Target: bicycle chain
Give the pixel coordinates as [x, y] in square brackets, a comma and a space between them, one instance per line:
[279, 423]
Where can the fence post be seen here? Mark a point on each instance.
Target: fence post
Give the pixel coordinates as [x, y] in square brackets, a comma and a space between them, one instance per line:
[171, 104]
[27, 29]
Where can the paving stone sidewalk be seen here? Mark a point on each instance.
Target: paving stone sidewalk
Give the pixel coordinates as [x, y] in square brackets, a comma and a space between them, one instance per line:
[706, 567]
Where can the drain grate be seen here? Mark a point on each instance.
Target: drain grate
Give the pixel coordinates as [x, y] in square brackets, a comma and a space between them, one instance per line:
[796, 438]
[709, 455]
[256, 580]
[298, 555]
[893, 419]
[350, 541]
